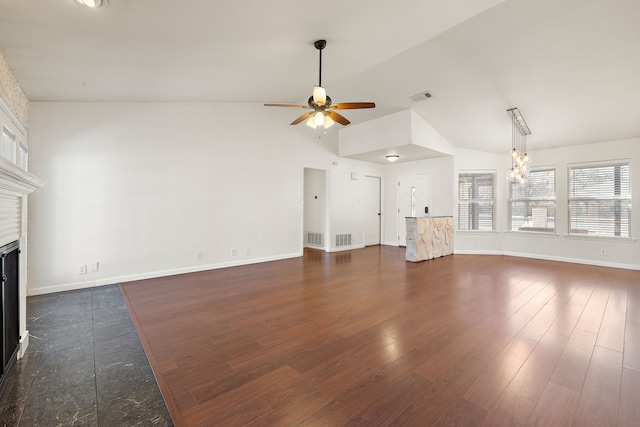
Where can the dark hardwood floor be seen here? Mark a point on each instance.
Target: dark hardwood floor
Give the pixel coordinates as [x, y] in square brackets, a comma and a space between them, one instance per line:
[365, 338]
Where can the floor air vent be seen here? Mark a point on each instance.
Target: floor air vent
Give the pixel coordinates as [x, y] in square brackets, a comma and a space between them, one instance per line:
[315, 239]
[343, 240]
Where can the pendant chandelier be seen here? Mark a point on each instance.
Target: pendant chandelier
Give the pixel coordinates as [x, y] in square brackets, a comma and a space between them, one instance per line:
[519, 156]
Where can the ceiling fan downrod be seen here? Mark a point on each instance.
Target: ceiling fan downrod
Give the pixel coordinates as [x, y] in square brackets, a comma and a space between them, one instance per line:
[320, 44]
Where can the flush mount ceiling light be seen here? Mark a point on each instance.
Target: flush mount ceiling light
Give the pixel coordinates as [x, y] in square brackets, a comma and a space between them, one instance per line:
[393, 157]
[323, 113]
[94, 4]
[519, 156]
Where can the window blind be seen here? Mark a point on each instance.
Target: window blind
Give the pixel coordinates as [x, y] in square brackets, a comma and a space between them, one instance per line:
[10, 218]
[600, 199]
[476, 201]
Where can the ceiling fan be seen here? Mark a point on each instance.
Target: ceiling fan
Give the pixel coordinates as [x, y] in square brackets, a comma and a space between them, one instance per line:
[323, 113]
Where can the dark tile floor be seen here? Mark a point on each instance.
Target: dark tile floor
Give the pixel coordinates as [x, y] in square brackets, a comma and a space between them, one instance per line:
[84, 366]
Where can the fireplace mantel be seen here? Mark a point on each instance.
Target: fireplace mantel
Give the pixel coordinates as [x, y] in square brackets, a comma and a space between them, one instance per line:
[15, 180]
[15, 185]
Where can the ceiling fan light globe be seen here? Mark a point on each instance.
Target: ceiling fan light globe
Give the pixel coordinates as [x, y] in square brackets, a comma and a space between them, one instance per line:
[311, 123]
[319, 95]
[318, 118]
[328, 122]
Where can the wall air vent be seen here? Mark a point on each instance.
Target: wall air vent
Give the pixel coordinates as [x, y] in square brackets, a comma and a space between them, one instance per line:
[343, 240]
[420, 97]
[315, 239]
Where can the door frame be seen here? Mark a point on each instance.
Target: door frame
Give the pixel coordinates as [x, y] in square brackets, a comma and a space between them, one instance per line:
[381, 217]
[397, 213]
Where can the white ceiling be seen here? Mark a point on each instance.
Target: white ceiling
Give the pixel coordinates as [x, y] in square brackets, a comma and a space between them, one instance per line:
[572, 67]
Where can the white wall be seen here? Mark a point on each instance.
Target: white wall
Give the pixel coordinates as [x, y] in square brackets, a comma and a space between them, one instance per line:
[346, 199]
[441, 199]
[142, 187]
[484, 242]
[620, 252]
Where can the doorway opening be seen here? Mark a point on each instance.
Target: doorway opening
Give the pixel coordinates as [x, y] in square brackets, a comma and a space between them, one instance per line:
[315, 228]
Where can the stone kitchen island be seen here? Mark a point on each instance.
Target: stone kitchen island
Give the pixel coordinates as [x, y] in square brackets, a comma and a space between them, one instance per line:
[429, 237]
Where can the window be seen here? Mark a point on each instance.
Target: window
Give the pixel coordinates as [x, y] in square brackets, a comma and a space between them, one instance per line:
[532, 205]
[476, 201]
[12, 140]
[8, 145]
[600, 200]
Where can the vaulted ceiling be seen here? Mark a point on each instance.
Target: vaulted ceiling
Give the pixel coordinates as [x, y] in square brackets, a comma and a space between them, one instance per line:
[572, 67]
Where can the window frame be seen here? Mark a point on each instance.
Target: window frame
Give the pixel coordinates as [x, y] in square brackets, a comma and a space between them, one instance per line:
[553, 199]
[570, 199]
[476, 201]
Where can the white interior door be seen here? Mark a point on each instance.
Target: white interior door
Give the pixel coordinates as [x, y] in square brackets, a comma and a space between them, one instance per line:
[413, 197]
[372, 211]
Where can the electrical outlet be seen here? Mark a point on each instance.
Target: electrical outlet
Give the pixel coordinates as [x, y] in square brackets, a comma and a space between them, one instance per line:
[95, 266]
[234, 252]
[603, 252]
[82, 269]
[198, 255]
[247, 251]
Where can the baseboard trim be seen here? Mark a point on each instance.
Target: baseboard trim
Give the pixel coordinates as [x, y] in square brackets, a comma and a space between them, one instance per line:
[575, 260]
[23, 345]
[468, 252]
[155, 274]
[346, 248]
[195, 269]
[551, 258]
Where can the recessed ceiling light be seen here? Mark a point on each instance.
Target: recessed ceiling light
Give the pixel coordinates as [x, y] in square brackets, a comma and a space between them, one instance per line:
[393, 157]
[94, 4]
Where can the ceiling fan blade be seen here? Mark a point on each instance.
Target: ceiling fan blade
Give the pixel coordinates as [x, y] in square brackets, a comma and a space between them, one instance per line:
[302, 118]
[287, 105]
[352, 105]
[338, 118]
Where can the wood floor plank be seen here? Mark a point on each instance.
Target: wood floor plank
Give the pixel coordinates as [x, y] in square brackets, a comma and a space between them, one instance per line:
[534, 374]
[291, 403]
[591, 317]
[455, 351]
[556, 407]
[612, 330]
[495, 379]
[223, 407]
[567, 319]
[629, 398]
[363, 337]
[632, 346]
[355, 399]
[511, 409]
[572, 366]
[633, 302]
[385, 409]
[600, 397]
[618, 297]
[463, 414]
